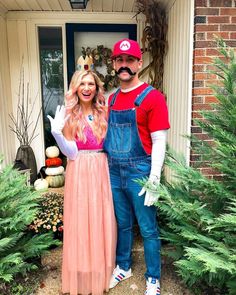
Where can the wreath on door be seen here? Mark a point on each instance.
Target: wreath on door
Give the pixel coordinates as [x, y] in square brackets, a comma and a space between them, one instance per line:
[102, 58]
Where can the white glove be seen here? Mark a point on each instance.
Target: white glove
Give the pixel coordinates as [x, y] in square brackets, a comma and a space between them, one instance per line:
[67, 147]
[149, 188]
[157, 160]
[58, 123]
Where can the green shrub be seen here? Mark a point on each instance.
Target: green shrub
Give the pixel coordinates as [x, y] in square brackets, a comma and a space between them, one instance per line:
[18, 207]
[200, 212]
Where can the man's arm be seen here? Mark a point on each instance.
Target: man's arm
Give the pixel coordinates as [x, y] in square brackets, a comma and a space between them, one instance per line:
[157, 159]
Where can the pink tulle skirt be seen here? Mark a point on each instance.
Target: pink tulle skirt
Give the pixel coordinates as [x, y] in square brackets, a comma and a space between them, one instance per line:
[89, 240]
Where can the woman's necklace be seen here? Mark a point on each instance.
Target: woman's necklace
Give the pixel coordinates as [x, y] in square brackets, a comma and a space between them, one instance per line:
[90, 117]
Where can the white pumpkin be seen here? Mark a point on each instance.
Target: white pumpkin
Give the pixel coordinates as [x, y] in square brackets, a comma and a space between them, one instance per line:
[54, 170]
[52, 151]
[41, 184]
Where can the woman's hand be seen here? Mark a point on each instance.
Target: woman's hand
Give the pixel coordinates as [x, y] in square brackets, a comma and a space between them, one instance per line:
[58, 123]
[67, 147]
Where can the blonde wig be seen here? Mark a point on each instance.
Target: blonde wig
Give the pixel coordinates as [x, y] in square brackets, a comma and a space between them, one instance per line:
[77, 122]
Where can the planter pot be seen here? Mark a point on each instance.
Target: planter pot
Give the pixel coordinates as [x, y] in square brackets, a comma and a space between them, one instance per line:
[25, 154]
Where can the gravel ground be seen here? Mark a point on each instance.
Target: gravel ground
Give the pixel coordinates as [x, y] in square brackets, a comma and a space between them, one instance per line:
[170, 284]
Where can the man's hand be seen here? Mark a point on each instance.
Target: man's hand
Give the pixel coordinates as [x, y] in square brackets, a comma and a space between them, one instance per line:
[149, 188]
[58, 123]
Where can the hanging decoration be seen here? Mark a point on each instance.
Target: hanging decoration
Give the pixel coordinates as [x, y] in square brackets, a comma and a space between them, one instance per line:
[102, 65]
[154, 39]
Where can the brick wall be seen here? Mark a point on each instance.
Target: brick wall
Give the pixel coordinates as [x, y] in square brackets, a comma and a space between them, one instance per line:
[212, 17]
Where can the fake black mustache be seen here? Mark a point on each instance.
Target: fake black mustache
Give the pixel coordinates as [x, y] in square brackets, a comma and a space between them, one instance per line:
[125, 69]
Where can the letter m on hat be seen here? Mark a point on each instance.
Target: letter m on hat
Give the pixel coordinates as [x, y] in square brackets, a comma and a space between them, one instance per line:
[125, 45]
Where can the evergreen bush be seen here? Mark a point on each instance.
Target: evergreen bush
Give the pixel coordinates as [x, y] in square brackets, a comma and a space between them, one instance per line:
[18, 207]
[200, 211]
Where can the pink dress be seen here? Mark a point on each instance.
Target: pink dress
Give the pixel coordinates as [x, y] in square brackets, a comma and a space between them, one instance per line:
[89, 241]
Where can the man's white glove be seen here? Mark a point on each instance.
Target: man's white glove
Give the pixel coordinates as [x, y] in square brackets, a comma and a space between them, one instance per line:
[149, 188]
[67, 147]
[157, 160]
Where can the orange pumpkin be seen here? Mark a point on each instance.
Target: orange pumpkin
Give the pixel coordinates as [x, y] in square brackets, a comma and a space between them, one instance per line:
[53, 162]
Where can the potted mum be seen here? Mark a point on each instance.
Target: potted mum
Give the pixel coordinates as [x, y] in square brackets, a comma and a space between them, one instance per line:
[50, 215]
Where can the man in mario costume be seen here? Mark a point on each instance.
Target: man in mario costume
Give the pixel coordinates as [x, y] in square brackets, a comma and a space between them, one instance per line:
[135, 144]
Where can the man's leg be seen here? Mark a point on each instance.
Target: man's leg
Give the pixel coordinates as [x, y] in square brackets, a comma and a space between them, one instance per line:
[125, 219]
[147, 221]
[146, 217]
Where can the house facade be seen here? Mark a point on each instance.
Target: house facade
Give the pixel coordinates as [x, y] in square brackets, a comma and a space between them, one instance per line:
[30, 29]
[212, 17]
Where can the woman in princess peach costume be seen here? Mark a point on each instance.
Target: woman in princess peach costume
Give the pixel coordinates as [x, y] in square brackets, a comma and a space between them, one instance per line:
[89, 240]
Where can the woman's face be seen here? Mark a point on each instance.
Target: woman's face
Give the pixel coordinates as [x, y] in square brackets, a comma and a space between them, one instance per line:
[87, 89]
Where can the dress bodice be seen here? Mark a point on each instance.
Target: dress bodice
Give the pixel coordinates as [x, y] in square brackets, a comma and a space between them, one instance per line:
[91, 142]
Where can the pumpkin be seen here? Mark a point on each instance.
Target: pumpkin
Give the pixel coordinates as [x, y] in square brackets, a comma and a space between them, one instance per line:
[54, 170]
[56, 181]
[52, 151]
[53, 162]
[41, 184]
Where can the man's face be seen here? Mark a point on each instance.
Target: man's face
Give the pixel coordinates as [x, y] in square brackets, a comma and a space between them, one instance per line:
[126, 67]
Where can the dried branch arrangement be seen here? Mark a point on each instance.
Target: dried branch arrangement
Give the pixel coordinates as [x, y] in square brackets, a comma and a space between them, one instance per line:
[154, 39]
[22, 123]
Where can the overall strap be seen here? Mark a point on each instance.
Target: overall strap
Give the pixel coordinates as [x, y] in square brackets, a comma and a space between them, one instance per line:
[114, 97]
[142, 95]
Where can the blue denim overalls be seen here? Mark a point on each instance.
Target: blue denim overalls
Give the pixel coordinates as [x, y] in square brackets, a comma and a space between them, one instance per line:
[128, 161]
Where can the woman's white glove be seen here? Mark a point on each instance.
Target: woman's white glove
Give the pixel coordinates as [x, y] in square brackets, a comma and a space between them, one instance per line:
[67, 147]
[58, 123]
[157, 160]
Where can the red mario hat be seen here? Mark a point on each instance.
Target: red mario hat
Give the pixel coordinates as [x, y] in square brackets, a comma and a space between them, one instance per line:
[127, 46]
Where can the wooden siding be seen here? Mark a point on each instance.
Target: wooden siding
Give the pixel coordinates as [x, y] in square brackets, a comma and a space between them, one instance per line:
[7, 148]
[178, 74]
[64, 5]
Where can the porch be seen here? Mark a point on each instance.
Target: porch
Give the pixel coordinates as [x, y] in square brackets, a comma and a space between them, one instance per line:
[20, 25]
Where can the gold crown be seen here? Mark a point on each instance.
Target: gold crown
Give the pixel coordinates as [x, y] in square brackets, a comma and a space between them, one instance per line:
[85, 63]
